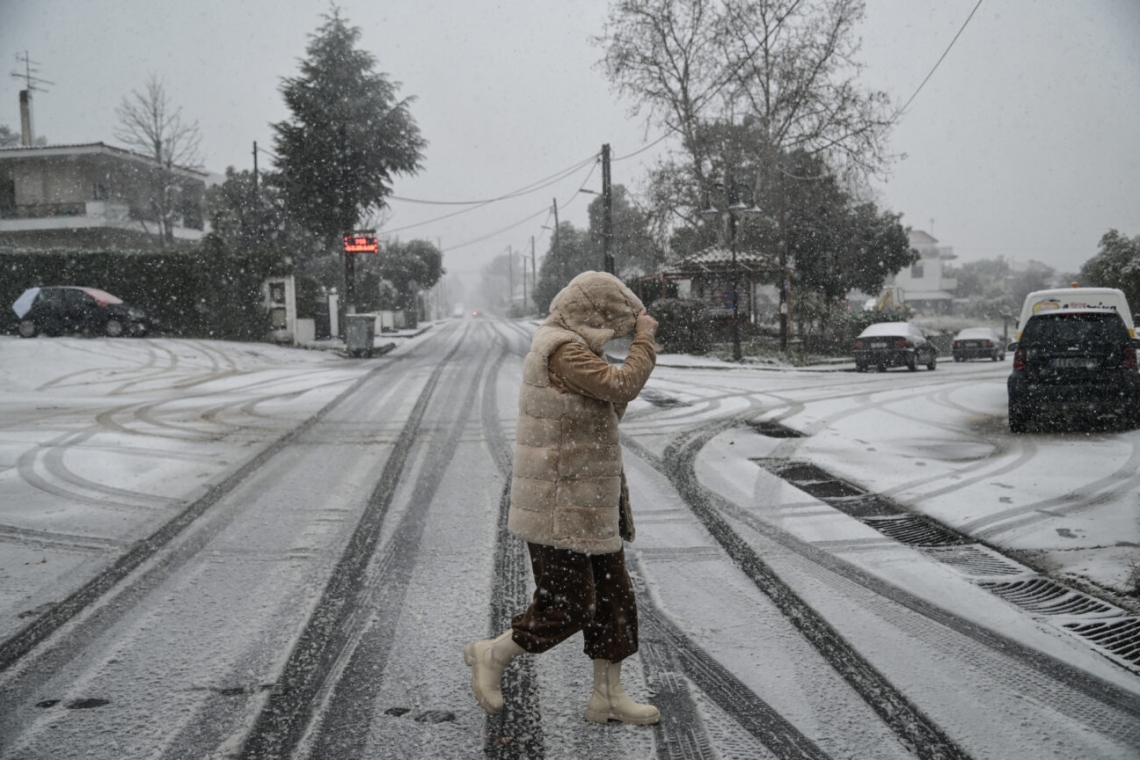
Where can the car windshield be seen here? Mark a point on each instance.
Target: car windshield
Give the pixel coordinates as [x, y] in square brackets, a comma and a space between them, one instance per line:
[1075, 329]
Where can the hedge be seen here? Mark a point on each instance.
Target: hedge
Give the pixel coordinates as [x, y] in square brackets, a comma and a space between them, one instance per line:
[202, 292]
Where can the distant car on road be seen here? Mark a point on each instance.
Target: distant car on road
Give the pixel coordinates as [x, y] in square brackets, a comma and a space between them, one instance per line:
[894, 344]
[978, 343]
[1074, 364]
[56, 310]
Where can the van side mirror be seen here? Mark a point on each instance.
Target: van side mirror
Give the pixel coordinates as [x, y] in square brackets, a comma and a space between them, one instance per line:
[1011, 347]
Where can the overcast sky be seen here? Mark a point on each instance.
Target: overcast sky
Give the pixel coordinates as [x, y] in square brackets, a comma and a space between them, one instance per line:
[1025, 143]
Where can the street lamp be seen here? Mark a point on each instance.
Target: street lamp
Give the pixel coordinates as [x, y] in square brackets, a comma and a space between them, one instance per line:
[736, 208]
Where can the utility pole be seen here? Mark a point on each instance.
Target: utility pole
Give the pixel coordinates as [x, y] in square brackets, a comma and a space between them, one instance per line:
[255, 167]
[524, 286]
[533, 270]
[785, 276]
[607, 215]
[511, 279]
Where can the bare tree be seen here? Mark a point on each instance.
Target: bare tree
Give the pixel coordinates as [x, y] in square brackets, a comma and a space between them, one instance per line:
[149, 123]
[784, 70]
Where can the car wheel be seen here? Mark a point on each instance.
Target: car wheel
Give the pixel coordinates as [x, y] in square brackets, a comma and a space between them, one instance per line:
[1017, 421]
[860, 367]
[912, 363]
[883, 367]
[933, 362]
[27, 328]
[995, 356]
[113, 328]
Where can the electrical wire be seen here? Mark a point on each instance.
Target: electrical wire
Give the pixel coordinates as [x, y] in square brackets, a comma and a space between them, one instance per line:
[490, 235]
[899, 112]
[548, 211]
[483, 203]
[525, 190]
[641, 150]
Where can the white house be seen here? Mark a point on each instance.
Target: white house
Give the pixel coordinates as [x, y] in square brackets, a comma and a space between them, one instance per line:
[93, 196]
[924, 286]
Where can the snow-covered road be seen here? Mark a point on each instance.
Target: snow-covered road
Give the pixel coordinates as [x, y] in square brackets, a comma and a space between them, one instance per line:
[233, 550]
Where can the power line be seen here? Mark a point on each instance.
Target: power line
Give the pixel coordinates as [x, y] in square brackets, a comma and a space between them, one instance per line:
[496, 232]
[936, 65]
[641, 150]
[480, 205]
[524, 190]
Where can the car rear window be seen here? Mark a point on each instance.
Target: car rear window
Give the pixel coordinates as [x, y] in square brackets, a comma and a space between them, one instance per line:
[1072, 329]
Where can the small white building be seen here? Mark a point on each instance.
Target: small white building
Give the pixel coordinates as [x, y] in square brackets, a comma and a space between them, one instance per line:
[924, 286]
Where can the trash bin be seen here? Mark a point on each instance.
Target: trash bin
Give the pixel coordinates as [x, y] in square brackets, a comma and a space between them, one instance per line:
[359, 332]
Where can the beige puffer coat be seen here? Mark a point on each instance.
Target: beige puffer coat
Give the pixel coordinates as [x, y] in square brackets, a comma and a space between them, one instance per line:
[567, 487]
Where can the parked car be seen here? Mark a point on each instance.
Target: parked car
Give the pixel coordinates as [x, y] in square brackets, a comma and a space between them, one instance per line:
[894, 344]
[978, 343]
[1076, 298]
[56, 310]
[1074, 364]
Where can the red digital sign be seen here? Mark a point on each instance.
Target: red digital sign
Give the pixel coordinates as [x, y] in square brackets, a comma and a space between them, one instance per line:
[361, 242]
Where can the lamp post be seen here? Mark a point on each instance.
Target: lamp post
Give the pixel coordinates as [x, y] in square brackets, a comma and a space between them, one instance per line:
[736, 208]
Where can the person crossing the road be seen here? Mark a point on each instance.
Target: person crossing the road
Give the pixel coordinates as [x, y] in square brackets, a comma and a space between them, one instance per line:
[569, 497]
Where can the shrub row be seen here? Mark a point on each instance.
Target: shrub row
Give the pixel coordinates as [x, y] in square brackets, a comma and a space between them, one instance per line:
[201, 292]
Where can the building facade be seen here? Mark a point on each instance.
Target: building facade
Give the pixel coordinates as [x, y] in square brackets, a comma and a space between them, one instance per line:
[98, 197]
[925, 285]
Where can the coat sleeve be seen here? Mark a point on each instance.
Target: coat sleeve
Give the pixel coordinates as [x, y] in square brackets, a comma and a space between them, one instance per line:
[580, 370]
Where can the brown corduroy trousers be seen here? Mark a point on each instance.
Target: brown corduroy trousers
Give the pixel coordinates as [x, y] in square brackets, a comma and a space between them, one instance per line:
[575, 592]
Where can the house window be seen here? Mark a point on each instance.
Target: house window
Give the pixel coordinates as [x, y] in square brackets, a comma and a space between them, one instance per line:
[916, 271]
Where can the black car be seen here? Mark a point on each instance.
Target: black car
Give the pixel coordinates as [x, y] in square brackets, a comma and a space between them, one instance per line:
[1074, 364]
[978, 343]
[894, 344]
[63, 309]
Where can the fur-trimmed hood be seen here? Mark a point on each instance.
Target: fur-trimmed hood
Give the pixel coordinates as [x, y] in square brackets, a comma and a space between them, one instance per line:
[597, 306]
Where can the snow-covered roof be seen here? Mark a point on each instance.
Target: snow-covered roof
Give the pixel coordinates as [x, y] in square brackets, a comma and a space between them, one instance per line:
[54, 151]
[719, 259]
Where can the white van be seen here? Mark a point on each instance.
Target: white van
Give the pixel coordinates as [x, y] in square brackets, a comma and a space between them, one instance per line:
[1076, 298]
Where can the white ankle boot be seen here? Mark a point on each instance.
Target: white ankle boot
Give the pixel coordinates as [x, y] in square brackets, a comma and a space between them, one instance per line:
[488, 659]
[610, 702]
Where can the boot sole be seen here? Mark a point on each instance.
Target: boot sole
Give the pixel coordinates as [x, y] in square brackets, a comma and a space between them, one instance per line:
[605, 717]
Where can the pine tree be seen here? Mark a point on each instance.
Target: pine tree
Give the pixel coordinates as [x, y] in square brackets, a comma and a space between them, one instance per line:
[348, 135]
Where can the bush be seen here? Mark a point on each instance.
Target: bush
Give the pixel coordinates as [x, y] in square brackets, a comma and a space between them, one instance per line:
[838, 335]
[203, 292]
[683, 327]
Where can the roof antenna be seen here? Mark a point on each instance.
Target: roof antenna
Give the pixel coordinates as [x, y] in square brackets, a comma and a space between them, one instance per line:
[32, 83]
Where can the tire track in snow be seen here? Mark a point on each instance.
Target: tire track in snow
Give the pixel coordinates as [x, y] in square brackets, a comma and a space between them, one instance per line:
[19, 645]
[284, 717]
[913, 727]
[1109, 709]
[343, 709]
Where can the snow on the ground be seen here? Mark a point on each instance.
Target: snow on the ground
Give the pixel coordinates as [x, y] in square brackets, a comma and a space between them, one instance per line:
[102, 441]
[1066, 501]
